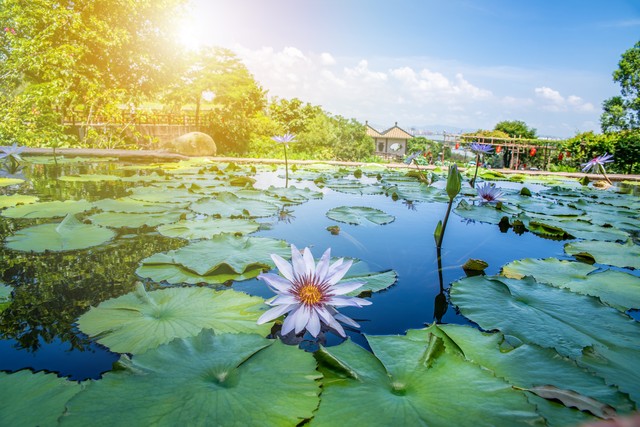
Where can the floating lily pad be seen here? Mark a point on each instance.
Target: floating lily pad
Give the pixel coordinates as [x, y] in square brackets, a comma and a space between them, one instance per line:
[68, 235]
[208, 227]
[231, 206]
[5, 182]
[222, 258]
[359, 215]
[544, 366]
[485, 213]
[222, 380]
[353, 187]
[294, 195]
[373, 281]
[141, 320]
[134, 220]
[16, 199]
[51, 209]
[615, 288]
[34, 399]
[163, 195]
[610, 253]
[89, 178]
[412, 380]
[130, 205]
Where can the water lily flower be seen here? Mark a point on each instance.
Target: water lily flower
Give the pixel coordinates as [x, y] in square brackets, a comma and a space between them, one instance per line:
[412, 157]
[309, 293]
[597, 163]
[489, 193]
[478, 148]
[284, 139]
[12, 152]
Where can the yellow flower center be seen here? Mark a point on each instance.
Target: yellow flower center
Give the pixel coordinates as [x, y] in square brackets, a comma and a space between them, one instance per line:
[309, 294]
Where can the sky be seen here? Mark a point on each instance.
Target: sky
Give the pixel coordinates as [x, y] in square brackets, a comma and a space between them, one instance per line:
[449, 64]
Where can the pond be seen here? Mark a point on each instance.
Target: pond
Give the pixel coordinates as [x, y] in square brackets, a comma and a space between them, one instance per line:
[81, 232]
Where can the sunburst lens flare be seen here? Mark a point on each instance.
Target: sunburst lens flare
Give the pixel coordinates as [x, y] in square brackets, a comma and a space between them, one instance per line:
[309, 294]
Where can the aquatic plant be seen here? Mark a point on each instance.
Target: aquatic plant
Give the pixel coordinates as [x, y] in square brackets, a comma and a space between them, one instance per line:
[453, 188]
[489, 193]
[596, 165]
[12, 153]
[309, 293]
[478, 148]
[412, 159]
[285, 140]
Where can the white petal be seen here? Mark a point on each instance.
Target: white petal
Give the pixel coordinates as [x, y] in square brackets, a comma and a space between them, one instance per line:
[345, 288]
[347, 320]
[322, 269]
[274, 313]
[285, 268]
[313, 326]
[339, 329]
[301, 318]
[309, 263]
[276, 282]
[339, 272]
[289, 321]
[327, 317]
[348, 302]
[284, 299]
[335, 266]
[297, 262]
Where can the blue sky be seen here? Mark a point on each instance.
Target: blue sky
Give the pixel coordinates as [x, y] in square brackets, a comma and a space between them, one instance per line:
[457, 63]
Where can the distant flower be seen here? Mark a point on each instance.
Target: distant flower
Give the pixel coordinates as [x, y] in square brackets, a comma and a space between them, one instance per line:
[284, 139]
[412, 157]
[13, 152]
[310, 293]
[597, 163]
[481, 148]
[394, 147]
[488, 193]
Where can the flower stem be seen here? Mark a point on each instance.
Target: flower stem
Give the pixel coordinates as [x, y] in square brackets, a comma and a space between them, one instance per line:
[473, 181]
[286, 168]
[444, 224]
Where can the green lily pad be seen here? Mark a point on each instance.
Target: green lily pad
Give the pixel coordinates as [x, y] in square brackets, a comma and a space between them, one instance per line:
[5, 296]
[222, 258]
[359, 215]
[130, 205]
[28, 399]
[415, 191]
[16, 199]
[492, 351]
[294, 195]
[412, 380]
[484, 213]
[231, 206]
[373, 281]
[51, 209]
[141, 320]
[609, 253]
[5, 182]
[221, 380]
[353, 187]
[208, 227]
[68, 235]
[163, 195]
[615, 288]
[133, 220]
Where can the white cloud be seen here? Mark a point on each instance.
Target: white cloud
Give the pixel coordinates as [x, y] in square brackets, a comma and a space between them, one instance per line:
[363, 73]
[555, 102]
[327, 59]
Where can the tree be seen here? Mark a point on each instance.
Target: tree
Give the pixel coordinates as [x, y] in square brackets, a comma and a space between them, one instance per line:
[623, 112]
[61, 57]
[292, 115]
[516, 129]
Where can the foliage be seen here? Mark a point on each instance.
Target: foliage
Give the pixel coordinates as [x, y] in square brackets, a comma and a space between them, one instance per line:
[627, 154]
[623, 112]
[516, 129]
[587, 145]
[292, 116]
[86, 56]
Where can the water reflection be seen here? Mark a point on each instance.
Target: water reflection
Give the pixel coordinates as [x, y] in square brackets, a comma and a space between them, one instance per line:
[441, 303]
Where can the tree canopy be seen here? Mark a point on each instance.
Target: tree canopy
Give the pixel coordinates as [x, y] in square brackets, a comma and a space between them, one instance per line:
[516, 129]
[623, 112]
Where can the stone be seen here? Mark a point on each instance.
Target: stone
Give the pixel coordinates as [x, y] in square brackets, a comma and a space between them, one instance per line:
[191, 144]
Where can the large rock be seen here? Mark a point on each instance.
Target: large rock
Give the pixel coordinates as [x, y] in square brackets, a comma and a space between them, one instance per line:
[192, 144]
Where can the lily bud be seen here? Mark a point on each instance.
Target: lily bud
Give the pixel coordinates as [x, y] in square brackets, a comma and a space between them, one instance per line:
[453, 181]
[437, 233]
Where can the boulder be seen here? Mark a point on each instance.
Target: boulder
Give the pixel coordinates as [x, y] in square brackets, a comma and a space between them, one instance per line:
[191, 144]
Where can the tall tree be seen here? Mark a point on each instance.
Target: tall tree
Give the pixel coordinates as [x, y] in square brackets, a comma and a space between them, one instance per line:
[516, 129]
[57, 57]
[623, 112]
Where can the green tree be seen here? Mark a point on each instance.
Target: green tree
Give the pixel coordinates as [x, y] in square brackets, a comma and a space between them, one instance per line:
[292, 115]
[62, 57]
[623, 112]
[516, 129]
[587, 145]
[352, 142]
[627, 153]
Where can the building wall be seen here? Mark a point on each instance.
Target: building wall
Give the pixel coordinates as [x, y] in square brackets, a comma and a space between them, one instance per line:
[383, 144]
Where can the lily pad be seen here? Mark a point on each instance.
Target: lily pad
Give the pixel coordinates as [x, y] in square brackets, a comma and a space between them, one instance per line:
[51, 209]
[294, 195]
[373, 281]
[359, 215]
[134, 220]
[231, 206]
[16, 199]
[34, 399]
[141, 320]
[208, 227]
[89, 178]
[163, 195]
[5, 182]
[222, 258]
[222, 380]
[484, 213]
[68, 235]
[130, 205]
[412, 380]
[615, 288]
[610, 253]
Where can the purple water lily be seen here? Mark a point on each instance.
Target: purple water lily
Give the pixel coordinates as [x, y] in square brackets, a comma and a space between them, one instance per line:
[285, 140]
[12, 153]
[309, 293]
[596, 165]
[489, 193]
[478, 148]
